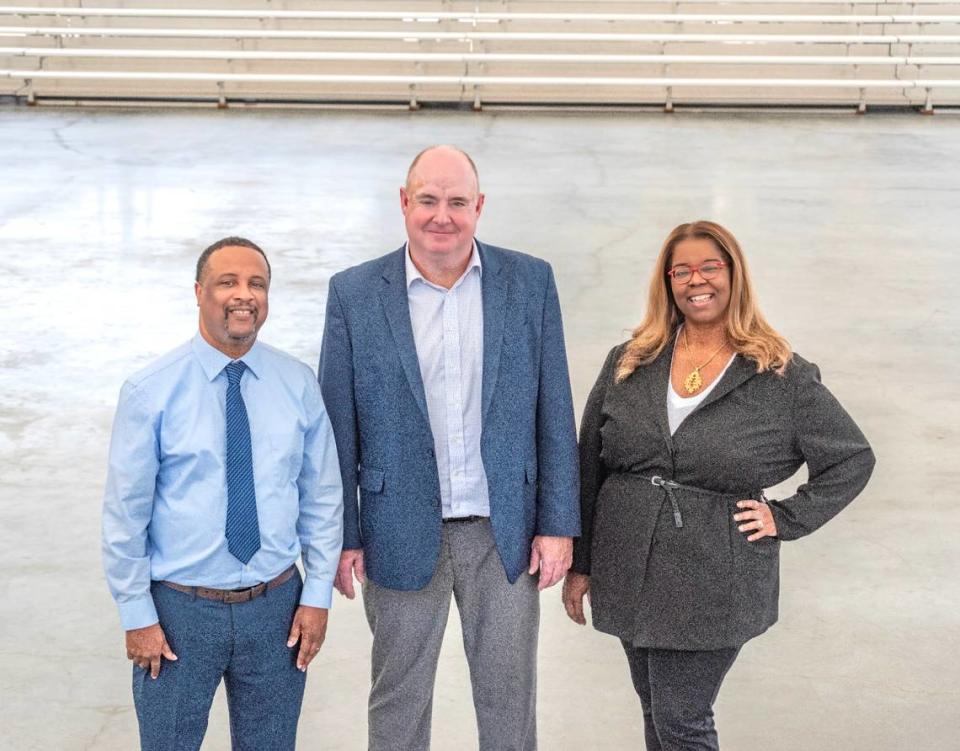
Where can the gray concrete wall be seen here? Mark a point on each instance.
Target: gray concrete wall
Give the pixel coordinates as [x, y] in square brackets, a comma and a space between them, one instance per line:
[850, 227]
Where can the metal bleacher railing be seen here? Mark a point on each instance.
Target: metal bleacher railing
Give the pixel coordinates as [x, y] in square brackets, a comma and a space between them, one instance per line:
[861, 53]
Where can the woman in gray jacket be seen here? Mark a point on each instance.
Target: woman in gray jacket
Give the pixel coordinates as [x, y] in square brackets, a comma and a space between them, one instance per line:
[688, 422]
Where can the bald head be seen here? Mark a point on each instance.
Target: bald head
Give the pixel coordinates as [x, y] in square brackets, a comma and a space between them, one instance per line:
[441, 204]
[442, 152]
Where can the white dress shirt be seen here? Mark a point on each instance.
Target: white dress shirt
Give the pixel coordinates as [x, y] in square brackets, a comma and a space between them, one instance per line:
[448, 334]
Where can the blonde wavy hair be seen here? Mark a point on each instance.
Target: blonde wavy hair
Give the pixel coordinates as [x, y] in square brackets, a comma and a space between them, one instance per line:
[747, 329]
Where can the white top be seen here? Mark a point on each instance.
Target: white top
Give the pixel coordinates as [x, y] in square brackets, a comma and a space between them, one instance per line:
[678, 407]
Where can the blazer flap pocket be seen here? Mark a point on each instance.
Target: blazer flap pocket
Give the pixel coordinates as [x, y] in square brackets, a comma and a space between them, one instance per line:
[531, 473]
[371, 479]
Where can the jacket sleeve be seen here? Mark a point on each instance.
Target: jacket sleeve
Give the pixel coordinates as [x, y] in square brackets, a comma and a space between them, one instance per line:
[556, 430]
[839, 459]
[592, 471]
[336, 385]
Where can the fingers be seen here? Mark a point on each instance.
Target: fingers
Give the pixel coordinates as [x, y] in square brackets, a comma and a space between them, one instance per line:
[344, 579]
[146, 646]
[346, 582]
[310, 626]
[546, 576]
[553, 556]
[535, 561]
[573, 604]
[339, 585]
[360, 569]
[155, 666]
[757, 518]
[294, 631]
[551, 572]
[309, 648]
[574, 588]
[753, 517]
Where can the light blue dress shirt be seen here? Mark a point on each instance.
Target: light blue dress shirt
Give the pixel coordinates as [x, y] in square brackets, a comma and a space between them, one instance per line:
[448, 335]
[165, 503]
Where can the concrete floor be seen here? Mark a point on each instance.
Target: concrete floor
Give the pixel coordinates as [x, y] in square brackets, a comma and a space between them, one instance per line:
[850, 224]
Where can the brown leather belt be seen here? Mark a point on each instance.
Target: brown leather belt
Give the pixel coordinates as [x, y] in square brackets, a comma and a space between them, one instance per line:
[234, 596]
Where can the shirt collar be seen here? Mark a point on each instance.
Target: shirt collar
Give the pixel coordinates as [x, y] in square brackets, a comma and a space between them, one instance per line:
[413, 273]
[213, 361]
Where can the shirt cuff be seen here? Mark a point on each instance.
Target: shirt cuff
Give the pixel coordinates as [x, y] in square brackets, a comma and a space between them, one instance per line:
[317, 593]
[138, 613]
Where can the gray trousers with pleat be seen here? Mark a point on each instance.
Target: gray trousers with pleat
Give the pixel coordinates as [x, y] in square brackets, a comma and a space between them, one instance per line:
[500, 623]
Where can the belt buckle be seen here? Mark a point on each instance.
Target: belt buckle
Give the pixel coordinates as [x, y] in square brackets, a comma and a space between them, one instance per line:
[244, 595]
[658, 481]
[236, 596]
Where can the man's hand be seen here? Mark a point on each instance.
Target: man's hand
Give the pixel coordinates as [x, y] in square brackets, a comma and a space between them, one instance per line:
[553, 556]
[310, 627]
[575, 586]
[146, 645]
[351, 563]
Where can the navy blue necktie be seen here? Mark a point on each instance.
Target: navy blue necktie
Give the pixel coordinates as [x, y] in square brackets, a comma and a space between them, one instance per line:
[243, 531]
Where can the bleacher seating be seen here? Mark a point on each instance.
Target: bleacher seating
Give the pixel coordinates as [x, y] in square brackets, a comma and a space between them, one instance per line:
[498, 52]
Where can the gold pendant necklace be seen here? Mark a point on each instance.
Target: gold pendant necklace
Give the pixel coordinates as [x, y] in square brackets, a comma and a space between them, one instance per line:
[693, 382]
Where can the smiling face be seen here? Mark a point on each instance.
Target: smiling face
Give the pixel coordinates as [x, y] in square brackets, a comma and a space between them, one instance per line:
[701, 301]
[441, 204]
[232, 297]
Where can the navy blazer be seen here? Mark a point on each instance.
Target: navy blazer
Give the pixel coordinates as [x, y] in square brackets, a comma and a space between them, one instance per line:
[374, 395]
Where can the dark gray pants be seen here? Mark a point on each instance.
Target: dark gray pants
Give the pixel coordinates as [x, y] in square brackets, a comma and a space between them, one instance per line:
[677, 690]
[500, 623]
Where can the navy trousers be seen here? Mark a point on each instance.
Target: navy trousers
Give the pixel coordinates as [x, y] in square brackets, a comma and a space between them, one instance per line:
[243, 644]
[677, 690]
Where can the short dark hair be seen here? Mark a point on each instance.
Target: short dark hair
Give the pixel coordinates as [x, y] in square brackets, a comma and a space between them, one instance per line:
[229, 242]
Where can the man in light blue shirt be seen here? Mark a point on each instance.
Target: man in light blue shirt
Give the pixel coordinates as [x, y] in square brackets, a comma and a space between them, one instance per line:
[223, 471]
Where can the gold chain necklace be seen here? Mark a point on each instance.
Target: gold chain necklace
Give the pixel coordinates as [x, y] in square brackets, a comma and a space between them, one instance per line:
[693, 382]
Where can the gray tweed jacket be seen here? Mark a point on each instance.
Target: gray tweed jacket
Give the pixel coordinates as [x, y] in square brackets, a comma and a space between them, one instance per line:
[702, 585]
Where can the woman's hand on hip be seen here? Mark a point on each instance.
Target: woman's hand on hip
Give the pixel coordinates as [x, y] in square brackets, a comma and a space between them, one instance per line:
[575, 586]
[755, 517]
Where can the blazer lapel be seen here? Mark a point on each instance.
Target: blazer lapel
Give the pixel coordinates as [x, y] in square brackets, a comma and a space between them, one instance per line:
[393, 296]
[657, 379]
[494, 292]
[740, 370]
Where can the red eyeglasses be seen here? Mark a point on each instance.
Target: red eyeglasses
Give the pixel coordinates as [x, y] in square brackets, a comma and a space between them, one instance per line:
[682, 274]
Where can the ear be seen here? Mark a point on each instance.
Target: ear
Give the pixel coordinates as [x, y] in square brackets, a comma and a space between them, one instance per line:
[404, 199]
[480, 199]
[197, 290]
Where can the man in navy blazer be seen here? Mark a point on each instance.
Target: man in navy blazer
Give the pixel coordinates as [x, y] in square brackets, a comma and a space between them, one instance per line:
[444, 373]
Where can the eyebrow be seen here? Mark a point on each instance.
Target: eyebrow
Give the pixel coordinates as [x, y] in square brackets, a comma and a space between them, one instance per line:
[430, 194]
[705, 260]
[234, 274]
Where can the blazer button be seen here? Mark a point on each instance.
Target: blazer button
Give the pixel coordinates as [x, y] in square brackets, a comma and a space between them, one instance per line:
[429, 452]
[436, 501]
